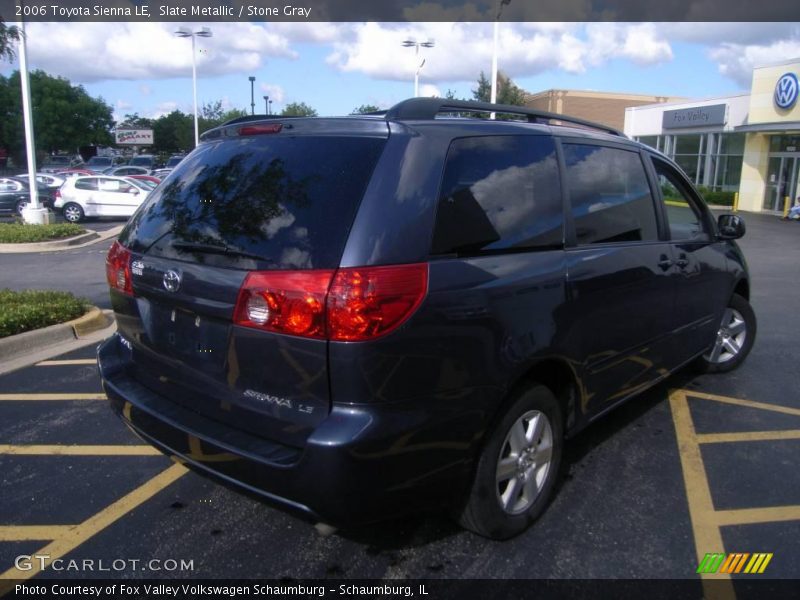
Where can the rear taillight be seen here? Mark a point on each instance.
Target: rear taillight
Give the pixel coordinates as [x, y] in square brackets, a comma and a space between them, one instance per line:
[118, 268]
[57, 195]
[365, 303]
[260, 129]
[291, 302]
[352, 304]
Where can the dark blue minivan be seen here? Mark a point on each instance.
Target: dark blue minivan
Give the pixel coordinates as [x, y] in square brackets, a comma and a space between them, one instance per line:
[363, 316]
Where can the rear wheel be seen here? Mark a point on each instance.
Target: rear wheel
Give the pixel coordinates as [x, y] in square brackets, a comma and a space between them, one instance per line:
[735, 337]
[517, 468]
[73, 212]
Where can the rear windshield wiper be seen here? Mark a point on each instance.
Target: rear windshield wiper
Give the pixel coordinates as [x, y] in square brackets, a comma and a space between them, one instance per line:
[217, 249]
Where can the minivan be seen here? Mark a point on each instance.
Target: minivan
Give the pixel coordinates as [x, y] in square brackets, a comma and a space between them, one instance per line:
[364, 316]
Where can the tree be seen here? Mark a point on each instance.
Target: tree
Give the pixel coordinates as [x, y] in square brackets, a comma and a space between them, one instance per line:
[65, 116]
[298, 109]
[134, 121]
[8, 35]
[173, 132]
[507, 90]
[364, 109]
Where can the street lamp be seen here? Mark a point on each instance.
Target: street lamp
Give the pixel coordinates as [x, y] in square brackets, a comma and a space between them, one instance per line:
[252, 98]
[266, 104]
[493, 97]
[411, 42]
[269, 110]
[184, 32]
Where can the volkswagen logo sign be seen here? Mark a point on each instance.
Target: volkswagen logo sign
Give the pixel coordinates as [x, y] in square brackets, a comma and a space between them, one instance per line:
[786, 91]
[171, 281]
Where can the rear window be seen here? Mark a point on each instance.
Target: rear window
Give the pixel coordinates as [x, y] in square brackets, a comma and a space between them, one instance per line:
[141, 161]
[278, 202]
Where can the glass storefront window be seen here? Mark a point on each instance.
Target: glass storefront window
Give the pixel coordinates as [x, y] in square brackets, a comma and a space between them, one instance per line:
[731, 143]
[688, 144]
[784, 143]
[649, 140]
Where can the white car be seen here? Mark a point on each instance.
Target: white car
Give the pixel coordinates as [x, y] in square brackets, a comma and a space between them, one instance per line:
[99, 196]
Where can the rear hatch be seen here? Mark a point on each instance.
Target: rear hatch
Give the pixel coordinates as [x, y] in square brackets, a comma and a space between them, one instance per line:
[280, 202]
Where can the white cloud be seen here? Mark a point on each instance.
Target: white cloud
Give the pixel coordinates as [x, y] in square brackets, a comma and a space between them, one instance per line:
[103, 51]
[737, 61]
[164, 108]
[275, 92]
[428, 90]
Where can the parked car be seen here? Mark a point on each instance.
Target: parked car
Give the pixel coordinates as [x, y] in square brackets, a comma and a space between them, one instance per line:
[67, 173]
[161, 173]
[126, 170]
[15, 194]
[148, 180]
[99, 196]
[148, 161]
[50, 180]
[54, 163]
[98, 164]
[357, 318]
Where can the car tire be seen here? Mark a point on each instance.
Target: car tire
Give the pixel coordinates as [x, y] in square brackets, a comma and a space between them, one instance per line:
[73, 212]
[19, 206]
[735, 337]
[517, 468]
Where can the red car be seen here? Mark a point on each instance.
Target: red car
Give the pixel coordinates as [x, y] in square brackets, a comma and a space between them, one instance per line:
[148, 178]
[74, 172]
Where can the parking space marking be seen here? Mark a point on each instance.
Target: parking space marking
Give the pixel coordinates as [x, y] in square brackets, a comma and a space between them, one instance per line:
[27, 533]
[73, 536]
[706, 521]
[78, 450]
[749, 436]
[59, 363]
[787, 410]
[34, 397]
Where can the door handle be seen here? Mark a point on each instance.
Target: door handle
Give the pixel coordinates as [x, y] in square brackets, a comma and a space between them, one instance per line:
[682, 261]
[664, 263]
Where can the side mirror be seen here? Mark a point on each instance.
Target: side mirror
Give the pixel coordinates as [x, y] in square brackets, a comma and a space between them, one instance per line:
[731, 227]
[133, 191]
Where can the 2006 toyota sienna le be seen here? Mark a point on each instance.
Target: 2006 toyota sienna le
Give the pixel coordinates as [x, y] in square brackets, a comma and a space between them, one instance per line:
[362, 316]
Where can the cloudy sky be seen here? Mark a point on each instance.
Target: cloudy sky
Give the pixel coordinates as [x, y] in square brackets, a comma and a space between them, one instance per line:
[335, 67]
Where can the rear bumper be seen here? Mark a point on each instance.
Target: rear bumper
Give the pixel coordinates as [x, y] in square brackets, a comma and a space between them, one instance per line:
[362, 463]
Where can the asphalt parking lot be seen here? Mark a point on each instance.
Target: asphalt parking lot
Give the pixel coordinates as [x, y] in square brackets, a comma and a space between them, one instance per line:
[700, 464]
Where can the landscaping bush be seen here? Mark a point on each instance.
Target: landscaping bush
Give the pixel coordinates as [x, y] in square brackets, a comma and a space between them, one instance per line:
[18, 233]
[32, 309]
[721, 198]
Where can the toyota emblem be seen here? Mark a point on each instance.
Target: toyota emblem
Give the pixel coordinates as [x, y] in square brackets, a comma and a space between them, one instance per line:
[171, 281]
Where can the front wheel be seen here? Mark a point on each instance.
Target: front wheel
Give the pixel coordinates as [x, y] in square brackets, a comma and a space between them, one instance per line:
[518, 467]
[73, 212]
[735, 338]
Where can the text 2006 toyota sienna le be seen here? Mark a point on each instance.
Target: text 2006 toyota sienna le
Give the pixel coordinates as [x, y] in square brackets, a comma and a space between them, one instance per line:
[362, 316]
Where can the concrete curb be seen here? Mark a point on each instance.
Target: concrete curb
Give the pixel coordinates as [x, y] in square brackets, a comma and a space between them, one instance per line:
[79, 241]
[14, 346]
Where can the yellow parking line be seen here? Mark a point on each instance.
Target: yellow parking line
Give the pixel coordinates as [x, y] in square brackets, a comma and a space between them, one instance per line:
[29, 397]
[60, 363]
[750, 516]
[78, 450]
[746, 403]
[25, 533]
[707, 536]
[77, 535]
[748, 436]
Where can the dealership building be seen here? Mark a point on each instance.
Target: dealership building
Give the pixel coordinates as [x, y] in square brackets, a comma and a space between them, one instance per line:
[747, 143]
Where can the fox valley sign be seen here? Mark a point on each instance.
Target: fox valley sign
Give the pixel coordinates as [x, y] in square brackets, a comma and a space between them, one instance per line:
[134, 137]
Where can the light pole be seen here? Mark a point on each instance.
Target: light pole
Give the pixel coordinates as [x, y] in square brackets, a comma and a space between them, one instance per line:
[252, 98]
[269, 110]
[33, 212]
[184, 32]
[493, 96]
[266, 104]
[411, 42]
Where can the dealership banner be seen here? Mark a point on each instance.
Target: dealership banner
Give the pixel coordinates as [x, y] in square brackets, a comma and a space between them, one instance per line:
[135, 137]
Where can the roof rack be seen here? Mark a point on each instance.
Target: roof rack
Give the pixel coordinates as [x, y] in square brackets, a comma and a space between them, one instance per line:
[423, 109]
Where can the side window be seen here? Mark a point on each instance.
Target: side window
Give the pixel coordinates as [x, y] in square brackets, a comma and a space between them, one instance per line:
[685, 219]
[499, 193]
[86, 184]
[609, 194]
